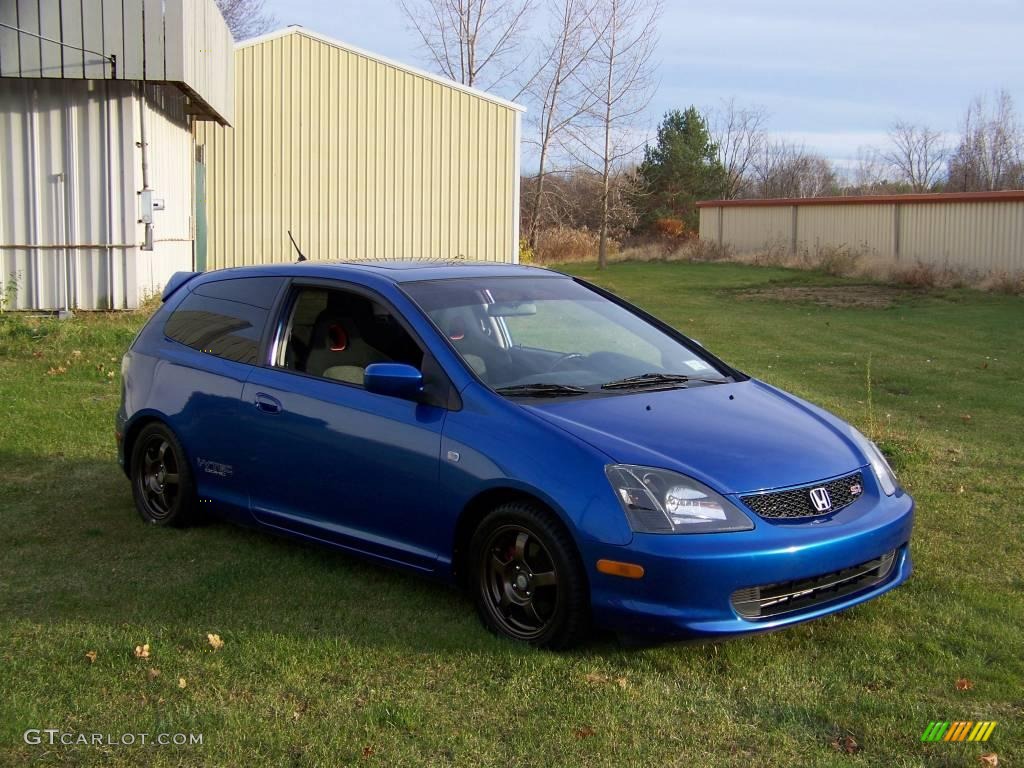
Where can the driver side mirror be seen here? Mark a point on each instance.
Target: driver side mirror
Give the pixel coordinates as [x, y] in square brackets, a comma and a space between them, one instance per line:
[393, 379]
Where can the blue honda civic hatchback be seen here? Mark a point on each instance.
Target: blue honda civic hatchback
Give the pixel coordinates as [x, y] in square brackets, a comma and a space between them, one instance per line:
[572, 460]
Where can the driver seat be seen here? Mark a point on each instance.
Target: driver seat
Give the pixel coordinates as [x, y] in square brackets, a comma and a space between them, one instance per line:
[338, 351]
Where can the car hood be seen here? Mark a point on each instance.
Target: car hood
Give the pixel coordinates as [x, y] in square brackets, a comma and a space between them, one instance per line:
[736, 438]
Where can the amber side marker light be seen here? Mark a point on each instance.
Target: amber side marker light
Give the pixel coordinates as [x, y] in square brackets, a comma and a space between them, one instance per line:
[615, 568]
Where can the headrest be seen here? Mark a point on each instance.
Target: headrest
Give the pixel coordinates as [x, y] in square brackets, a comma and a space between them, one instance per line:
[337, 337]
[457, 329]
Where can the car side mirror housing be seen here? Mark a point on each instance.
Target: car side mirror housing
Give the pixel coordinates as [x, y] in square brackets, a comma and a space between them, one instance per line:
[393, 379]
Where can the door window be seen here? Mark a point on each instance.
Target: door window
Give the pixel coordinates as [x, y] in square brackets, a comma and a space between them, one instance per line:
[335, 334]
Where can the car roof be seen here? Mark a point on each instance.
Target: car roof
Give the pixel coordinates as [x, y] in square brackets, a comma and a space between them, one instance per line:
[397, 271]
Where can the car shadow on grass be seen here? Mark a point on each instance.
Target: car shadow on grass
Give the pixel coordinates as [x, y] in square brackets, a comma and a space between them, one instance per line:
[76, 550]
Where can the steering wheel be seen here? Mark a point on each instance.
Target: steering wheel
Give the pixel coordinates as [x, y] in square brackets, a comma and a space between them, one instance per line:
[564, 358]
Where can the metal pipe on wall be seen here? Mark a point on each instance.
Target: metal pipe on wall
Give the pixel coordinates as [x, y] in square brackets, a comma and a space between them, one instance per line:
[148, 241]
[110, 195]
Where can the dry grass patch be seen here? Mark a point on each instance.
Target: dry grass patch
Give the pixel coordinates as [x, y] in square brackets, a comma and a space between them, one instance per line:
[863, 296]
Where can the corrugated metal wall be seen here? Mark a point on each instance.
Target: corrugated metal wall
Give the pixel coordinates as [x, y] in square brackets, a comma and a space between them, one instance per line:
[171, 165]
[360, 158]
[983, 232]
[70, 169]
[180, 41]
[983, 236]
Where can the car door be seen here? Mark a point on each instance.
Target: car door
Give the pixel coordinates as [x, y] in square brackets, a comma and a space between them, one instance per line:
[210, 346]
[334, 461]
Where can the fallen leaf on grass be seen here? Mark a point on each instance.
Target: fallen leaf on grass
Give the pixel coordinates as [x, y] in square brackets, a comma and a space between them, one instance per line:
[963, 684]
[57, 370]
[596, 678]
[584, 733]
[990, 759]
[91, 656]
[214, 640]
[367, 751]
[181, 682]
[76, 353]
[965, 417]
[142, 651]
[846, 744]
[153, 673]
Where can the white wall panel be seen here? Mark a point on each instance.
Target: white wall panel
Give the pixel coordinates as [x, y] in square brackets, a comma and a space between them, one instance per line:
[70, 171]
[185, 42]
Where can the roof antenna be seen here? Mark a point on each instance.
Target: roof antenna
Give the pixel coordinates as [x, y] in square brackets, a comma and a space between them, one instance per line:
[296, 247]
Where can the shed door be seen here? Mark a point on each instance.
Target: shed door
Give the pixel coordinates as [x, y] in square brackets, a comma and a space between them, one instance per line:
[200, 201]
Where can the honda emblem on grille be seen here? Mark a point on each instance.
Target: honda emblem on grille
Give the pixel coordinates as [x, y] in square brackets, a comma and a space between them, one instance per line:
[820, 499]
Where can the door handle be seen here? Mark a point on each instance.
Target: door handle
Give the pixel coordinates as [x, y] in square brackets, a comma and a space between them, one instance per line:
[267, 404]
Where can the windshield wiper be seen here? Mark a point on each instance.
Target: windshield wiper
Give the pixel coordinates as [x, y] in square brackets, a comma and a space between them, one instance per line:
[658, 380]
[541, 390]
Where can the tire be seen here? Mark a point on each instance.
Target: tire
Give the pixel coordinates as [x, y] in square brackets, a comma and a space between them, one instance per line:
[527, 579]
[161, 477]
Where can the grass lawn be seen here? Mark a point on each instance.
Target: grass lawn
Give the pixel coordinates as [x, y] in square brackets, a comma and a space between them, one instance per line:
[330, 661]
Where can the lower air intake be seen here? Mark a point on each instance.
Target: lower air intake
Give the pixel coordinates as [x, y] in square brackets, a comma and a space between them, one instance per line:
[770, 600]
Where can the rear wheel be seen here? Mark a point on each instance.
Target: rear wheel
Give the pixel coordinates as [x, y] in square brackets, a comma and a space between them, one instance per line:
[161, 478]
[528, 580]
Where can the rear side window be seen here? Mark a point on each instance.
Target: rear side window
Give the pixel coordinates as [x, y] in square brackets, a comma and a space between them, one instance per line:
[225, 318]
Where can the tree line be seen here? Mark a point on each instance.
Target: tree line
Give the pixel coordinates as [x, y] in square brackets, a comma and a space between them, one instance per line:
[588, 79]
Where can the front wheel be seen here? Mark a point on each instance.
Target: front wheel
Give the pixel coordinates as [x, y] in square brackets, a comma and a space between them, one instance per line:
[528, 580]
[161, 478]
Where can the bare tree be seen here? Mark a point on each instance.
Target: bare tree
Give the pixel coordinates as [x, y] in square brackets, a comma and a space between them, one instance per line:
[870, 171]
[918, 155]
[739, 134]
[560, 101]
[781, 169]
[573, 200]
[246, 18]
[466, 39]
[619, 82]
[990, 154]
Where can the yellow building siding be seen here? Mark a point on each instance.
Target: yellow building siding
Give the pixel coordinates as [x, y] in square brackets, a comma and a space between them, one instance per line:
[360, 158]
[980, 232]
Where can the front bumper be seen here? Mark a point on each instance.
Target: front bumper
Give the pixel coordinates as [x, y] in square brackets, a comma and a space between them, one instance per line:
[689, 580]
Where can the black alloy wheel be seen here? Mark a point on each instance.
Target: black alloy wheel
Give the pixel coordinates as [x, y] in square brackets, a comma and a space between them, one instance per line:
[161, 480]
[529, 582]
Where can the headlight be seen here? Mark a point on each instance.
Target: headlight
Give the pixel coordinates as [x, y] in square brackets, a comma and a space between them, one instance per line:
[879, 465]
[660, 501]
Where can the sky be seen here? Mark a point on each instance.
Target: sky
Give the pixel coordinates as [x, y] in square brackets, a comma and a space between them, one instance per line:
[832, 75]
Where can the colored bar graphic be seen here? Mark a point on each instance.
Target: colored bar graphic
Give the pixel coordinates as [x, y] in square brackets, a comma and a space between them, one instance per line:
[959, 730]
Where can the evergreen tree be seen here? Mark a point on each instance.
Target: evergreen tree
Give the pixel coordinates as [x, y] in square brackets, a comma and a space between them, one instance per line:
[680, 169]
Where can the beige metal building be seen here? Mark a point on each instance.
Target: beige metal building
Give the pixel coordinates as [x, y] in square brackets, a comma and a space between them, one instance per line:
[360, 157]
[97, 106]
[979, 231]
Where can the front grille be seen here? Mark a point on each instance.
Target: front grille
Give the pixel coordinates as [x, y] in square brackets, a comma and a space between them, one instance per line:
[785, 597]
[796, 502]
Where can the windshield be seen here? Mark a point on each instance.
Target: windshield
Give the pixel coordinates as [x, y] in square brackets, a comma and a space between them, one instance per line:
[550, 331]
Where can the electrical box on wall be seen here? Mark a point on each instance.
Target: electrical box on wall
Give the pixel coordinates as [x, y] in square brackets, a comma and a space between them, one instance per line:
[148, 204]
